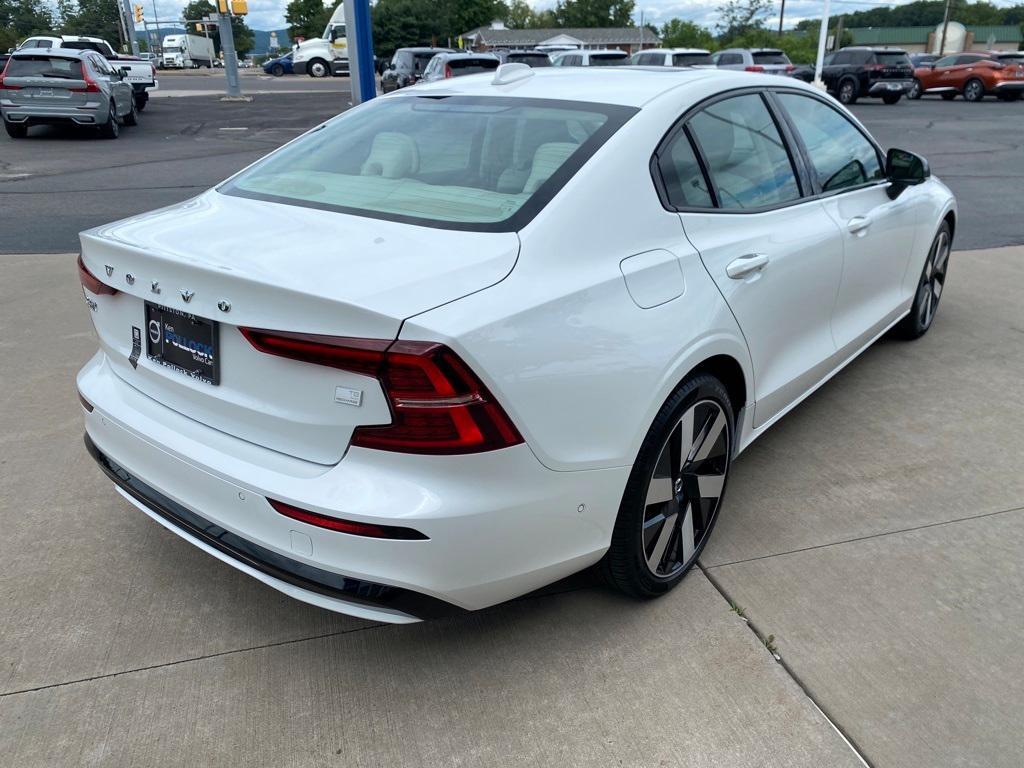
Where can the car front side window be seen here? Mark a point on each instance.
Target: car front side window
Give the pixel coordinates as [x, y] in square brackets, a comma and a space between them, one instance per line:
[749, 164]
[840, 155]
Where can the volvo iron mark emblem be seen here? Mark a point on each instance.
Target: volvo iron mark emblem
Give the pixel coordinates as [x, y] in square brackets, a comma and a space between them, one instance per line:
[129, 278]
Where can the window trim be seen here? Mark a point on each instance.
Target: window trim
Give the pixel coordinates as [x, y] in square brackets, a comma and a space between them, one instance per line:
[806, 176]
[617, 116]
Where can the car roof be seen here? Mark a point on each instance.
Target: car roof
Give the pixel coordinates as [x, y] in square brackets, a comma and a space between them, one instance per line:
[426, 49]
[464, 55]
[872, 48]
[674, 50]
[61, 53]
[627, 86]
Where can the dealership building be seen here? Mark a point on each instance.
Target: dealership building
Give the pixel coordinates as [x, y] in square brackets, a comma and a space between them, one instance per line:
[498, 36]
[959, 38]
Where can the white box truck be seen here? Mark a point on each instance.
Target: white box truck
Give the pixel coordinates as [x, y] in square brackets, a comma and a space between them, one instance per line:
[326, 55]
[187, 52]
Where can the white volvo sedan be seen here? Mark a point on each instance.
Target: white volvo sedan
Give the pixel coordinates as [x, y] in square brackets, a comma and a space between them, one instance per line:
[472, 337]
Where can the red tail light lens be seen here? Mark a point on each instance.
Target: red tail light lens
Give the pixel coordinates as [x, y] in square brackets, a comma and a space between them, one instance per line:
[754, 68]
[347, 526]
[91, 282]
[90, 84]
[4, 86]
[448, 71]
[438, 405]
[790, 67]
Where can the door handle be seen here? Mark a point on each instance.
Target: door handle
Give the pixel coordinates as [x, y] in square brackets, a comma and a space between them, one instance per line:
[858, 223]
[744, 265]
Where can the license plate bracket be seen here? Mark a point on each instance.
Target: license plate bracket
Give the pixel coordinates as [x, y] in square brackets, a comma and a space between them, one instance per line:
[184, 342]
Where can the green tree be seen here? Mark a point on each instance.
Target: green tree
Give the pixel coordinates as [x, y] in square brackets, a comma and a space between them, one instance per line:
[738, 17]
[22, 18]
[594, 13]
[240, 32]
[92, 17]
[308, 18]
[519, 14]
[676, 33]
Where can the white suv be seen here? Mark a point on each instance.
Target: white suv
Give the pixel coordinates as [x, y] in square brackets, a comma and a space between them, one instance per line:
[581, 58]
[673, 57]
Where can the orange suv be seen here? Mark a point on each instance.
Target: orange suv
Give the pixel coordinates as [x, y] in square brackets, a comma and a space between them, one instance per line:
[972, 74]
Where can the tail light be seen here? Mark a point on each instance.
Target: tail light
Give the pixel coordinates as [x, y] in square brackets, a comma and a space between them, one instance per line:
[438, 405]
[790, 67]
[4, 86]
[91, 282]
[754, 68]
[346, 526]
[90, 84]
[448, 71]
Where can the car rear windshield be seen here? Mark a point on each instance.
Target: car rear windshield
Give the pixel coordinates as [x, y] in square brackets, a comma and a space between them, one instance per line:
[690, 59]
[770, 57]
[420, 61]
[530, 59]
[608, 59]
[84, 45]
[888, 59]
[472, 66]
[44, 66]
[458, 162]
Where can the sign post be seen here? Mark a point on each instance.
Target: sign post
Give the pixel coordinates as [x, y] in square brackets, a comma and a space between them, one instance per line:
[822, 36]
[360, 50]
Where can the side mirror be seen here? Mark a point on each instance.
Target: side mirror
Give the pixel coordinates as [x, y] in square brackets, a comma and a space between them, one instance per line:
[123, 71]
[904, 169]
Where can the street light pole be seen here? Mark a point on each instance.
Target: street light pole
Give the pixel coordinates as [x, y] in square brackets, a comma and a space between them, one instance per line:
[227, 47]
[945, 27]
[782, 14]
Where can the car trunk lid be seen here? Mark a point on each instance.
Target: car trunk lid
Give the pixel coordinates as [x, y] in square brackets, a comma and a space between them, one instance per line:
[45, 81]
[247, 263]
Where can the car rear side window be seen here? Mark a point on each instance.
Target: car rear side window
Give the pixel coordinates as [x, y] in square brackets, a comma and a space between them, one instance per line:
[840, 154]
[746, 157]
[685, 183]
[728, 59]
[892, 59]
[608, 59]
[461, 162]
[44, 66]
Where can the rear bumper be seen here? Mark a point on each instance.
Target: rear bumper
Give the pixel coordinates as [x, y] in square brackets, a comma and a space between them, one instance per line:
[880, 87]
[38, 114]
[499, 524]
[1006, 86]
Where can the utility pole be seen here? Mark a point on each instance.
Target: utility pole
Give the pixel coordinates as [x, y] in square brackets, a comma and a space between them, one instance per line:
[822, 35]
[128, 25]
[227, 47]
[782, 14]
[945, 27]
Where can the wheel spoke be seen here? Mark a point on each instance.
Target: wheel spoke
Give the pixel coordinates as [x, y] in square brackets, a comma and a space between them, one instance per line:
[659, 491]
[710, 485]
[936, 289]
[686, 440]
[709, 436]
[664, 537]
[686, 533]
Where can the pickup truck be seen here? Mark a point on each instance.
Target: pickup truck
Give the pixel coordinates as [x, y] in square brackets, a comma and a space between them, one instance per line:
[140, 74]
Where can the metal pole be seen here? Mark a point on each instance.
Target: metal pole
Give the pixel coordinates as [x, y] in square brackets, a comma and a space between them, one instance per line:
[822, 36]
[360, 50]
[945, 26]
[128, 21]
[782, 14]
[227, 47]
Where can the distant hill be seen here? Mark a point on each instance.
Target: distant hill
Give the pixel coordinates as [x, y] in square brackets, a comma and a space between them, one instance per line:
[261, 44]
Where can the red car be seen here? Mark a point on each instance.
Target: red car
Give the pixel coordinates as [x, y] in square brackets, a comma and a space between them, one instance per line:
[974, 75]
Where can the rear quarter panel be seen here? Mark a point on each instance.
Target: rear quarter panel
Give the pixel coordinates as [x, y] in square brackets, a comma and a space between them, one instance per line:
[580, 368]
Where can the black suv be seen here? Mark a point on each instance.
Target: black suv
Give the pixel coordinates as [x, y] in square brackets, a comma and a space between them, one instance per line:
[854, 73]
[406, 67]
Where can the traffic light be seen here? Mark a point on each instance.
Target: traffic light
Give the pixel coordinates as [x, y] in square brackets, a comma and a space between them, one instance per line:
[239, 7]
[199, 27]
[222, 6]
[140, 16]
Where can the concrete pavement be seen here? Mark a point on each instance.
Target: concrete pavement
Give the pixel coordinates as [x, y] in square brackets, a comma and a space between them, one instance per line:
[875, 532]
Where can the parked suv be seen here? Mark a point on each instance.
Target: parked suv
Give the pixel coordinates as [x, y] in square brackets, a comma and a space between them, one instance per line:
[673, 57]
[604, 58]
[529, 58]
[445, 65]
[855, 73]
[972, 74]
[407, 66]
[771, 61]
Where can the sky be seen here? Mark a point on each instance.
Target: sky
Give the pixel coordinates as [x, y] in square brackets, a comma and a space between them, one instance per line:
[269, 14]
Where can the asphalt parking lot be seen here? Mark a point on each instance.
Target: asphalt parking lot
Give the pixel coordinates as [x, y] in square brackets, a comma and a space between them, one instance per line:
[871, 539]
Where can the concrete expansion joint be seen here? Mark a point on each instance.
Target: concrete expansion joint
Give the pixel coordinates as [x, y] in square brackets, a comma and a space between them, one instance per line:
[768, 641]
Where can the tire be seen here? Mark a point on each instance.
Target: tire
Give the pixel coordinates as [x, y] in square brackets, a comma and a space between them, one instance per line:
[847, 92]
[141, 100]
[660, 532]
[948, 95]
[929, 288]
[110, 129]
[974, 90]
[16, 130]
[132, 118]
[277, 70]
[892, 98]
[915, 90]
[318, 68]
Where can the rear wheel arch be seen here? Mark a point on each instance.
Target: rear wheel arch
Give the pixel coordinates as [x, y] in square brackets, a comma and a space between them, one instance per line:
[726, 369]
[950, 218]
